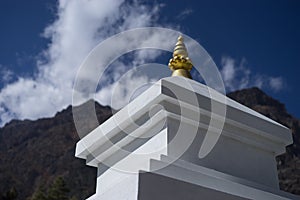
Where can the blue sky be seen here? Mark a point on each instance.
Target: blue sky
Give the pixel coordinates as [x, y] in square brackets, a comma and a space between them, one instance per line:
[253, 42]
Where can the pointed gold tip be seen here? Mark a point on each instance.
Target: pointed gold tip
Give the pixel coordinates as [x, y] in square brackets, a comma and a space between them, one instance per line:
[180, 64]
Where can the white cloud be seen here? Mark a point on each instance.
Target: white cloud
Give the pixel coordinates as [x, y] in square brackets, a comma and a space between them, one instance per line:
[228, 71]
[79, 26]
[237, 75]
[120, 92]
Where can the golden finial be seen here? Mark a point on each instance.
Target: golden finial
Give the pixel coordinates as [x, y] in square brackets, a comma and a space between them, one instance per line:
[180, 64]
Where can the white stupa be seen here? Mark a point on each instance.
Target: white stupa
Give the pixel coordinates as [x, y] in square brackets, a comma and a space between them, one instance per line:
[169, 143]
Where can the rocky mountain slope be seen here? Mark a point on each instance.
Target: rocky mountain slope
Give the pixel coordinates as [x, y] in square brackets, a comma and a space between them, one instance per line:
[288, 164]
[34, 153]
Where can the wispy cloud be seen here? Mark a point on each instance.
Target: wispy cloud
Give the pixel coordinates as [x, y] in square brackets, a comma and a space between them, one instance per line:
[6, 74]
[80, 25]
[276, 83]
[184, 14]
[237, 75]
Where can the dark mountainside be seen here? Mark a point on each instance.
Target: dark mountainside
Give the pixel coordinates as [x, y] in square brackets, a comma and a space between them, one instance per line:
[34, 153]
[288, 164]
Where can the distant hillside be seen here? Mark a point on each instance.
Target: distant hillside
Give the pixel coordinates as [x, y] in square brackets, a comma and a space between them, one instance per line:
[34, 153]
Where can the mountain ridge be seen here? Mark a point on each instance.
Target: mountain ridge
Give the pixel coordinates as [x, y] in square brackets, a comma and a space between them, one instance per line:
[34, 152]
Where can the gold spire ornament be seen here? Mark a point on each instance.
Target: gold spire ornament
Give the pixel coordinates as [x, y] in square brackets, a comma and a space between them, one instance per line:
[180, 64]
